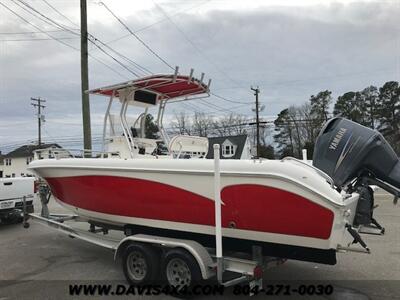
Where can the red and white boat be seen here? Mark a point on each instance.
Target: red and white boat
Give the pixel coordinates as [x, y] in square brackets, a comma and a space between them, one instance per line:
[288, 207]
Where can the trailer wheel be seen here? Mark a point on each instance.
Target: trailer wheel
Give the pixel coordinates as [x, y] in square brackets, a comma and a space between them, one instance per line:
[181, 270]
[140, 264]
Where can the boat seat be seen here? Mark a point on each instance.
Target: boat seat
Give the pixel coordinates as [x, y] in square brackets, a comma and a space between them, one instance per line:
[189, 146]
[146, 146]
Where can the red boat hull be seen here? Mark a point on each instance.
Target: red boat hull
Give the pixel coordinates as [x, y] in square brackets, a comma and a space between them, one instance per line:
[246, 206]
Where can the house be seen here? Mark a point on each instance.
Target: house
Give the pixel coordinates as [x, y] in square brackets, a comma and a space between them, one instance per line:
[231, 147]
[15, 163]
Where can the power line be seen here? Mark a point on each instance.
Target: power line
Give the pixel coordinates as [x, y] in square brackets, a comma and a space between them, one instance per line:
[228, 100]
[159, 21]
[106, 65]
[137, 37]
[61, 14]
[224, 109]
[95, 39]
[31, 13]
[299, 81]
[116, 60]
[37, 27]
[29, 32]
[135, 64]
[187, 38]
[200, 51]
[58, 25]
[56, 39]
[143, 69]
[35, 39]
[216, 106]
[46, 19]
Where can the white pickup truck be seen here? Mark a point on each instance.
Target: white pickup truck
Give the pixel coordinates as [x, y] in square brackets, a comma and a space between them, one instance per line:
[12, 191]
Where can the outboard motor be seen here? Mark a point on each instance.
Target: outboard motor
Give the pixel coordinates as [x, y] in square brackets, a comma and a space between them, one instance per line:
[356, 157]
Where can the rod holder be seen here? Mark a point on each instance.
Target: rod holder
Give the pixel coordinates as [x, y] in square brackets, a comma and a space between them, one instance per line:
[201, 78]
[191, 75]
[175, 74]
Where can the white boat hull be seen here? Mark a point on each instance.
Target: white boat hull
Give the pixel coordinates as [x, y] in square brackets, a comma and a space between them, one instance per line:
[274, 202]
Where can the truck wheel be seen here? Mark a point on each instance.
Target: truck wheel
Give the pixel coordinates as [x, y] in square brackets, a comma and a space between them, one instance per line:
[181, 270]
[140, 264]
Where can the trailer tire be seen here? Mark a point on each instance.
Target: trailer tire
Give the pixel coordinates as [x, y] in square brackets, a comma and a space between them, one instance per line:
[181, 270]
[140, 263]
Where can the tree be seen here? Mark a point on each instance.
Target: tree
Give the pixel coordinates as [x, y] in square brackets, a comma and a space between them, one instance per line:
[296, 124]
[389, 113]
[370, 96]
[297, 127]
[267, 151]
[309, 146]
[232, 124]
[351, 106]
[320, 105]
[202, 124]
[181, 124]
[284, 135]
[310, 130]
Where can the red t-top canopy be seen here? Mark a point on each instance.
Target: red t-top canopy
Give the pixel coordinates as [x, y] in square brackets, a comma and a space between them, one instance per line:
[167, 86]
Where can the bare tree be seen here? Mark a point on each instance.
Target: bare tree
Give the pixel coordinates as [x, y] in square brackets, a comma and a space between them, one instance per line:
[202, 124]
[232, 124]
[181, 123]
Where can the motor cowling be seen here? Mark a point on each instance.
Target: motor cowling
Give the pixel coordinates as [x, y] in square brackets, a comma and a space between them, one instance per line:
[346, 151]
[356, 157]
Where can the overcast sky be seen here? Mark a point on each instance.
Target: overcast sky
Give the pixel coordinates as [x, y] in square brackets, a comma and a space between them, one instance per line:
[290, 49]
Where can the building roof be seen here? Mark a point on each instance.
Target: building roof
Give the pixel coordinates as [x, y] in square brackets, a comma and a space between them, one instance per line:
[27, 150]
[238, 140]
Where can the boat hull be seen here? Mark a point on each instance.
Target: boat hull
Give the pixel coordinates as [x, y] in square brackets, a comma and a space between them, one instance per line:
[287, 219]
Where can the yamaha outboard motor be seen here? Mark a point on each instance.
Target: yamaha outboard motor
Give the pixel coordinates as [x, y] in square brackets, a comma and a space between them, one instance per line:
[356, 157]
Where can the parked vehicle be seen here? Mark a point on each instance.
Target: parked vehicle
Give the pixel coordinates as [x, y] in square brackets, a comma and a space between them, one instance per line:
[12, 192]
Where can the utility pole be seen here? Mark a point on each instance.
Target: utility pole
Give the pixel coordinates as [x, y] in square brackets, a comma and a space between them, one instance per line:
[87, 136]
[37, 103]
[256, 92]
